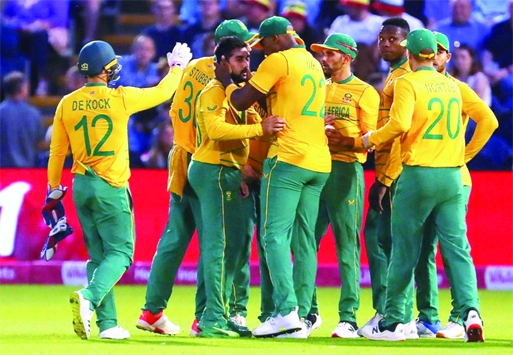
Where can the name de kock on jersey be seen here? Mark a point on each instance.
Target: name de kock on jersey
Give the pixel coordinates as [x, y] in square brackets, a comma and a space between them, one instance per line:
[90, 104]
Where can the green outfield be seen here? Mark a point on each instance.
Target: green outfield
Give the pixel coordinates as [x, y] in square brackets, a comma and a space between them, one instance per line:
[37, 320]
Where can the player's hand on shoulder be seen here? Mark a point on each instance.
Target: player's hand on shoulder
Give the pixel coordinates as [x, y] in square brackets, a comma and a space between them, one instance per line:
[273, 124]
[180, 56]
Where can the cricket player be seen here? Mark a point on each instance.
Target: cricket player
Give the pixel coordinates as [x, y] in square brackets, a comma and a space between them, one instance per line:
[428, 324]
[426, 114]
[295, 171]
[93, 122]
[352, 110]
[184, 209]
[377, 230]
[215, 175]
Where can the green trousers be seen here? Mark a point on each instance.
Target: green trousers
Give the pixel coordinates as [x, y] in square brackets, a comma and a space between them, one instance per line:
[426, 276]
[183, 217]
[106, 217]
[423, 192]
[289, 198]
[378, 242]
[218, 190]
[341, 205]
[240, 290]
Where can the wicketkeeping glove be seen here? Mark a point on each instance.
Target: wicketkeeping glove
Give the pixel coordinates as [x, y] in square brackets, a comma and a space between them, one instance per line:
[180, 56]
[53, 209]
[60, 231]
[54, 216]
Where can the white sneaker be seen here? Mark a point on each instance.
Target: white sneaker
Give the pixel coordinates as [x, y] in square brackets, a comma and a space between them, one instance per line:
[157, 323]
[376, 334]
[370, 324]
[315, 319]
[303, 333]
[344, 330]
[452, 330]
[274, 326]
[474, 328]
[116, 332]
[428, 330]
[410, 330]
[238, 319]
[82, 314]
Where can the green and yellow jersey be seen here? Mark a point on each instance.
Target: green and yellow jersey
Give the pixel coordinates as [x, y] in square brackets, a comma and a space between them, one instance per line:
[222, 133]
[258, 148]
[478, 111]
[294, 83]
[93, 120]
[487, 123]
[355, 104]
[427, 113]
[388, 165]
[196, 76]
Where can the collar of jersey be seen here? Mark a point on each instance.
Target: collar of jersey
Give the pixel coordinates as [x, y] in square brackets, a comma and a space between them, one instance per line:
[401, 62]
[95, 84]
[345, 81]
[426, 68]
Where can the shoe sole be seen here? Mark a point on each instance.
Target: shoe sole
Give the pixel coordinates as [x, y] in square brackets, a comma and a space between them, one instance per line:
[443, 336]
[274, 335]
[78, 322]
[475, 334]
[142, 325]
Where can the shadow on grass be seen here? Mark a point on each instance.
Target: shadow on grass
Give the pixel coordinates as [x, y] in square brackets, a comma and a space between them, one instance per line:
[315, 342]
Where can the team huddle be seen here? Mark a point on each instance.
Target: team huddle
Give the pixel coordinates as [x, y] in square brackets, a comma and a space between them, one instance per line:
[280, 150]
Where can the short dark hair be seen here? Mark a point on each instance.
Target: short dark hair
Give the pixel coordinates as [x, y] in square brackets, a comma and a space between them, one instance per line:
[397, 22]
[226, 46]
[13, 82]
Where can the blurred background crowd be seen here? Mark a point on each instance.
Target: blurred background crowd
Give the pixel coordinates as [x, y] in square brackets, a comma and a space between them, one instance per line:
[40, 40]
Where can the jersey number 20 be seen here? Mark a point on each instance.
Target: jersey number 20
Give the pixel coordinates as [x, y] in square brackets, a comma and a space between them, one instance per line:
[438, 102]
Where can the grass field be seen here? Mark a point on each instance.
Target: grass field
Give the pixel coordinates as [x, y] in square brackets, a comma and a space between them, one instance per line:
[37, 320]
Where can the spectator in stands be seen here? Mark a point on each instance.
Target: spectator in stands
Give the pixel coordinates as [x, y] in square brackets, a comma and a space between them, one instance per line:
[490, 12]
[358, 22]
[295, 12]
[22, 133]
[364, 28]
[209, 20]
[140, 71]
[467, 68]
[461, 27]
[435, 11]
[166, 31]
[498, 63]
[395, 8]
[312, 9]
[41, 26]
[163, 135]
[256, 12]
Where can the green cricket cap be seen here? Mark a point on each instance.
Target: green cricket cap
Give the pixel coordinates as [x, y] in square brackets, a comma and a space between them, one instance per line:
[419, 40]
[235, 28]
[339, 42]
[442, 41]
[273, 26]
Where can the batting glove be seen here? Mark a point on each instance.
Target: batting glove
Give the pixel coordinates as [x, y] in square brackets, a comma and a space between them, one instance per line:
[180, 56]
[60, 231]
[53, 209]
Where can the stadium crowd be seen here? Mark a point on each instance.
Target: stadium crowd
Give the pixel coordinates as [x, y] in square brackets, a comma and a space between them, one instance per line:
[41, 40]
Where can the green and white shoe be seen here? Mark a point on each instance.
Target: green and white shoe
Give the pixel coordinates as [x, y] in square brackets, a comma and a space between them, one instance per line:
[217, 331]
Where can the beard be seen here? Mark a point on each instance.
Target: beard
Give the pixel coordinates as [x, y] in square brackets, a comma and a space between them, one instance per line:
[240, 78]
